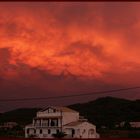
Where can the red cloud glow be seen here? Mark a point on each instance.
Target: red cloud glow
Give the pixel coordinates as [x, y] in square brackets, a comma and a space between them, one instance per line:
[88, 42]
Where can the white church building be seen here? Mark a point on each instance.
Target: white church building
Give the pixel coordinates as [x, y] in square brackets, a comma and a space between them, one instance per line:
[53, 120]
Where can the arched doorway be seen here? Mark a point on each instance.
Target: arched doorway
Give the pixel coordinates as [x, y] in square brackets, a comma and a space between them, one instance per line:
[91, 133]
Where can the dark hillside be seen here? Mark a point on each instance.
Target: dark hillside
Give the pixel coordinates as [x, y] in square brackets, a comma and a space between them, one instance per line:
[21, 116]
[108, 111]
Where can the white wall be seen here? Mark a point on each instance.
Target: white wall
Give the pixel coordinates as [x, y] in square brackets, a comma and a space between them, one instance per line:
[135, 124]
[69, 117]
[82, 130]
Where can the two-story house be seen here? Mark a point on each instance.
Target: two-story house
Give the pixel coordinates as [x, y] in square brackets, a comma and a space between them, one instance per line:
[53, 120]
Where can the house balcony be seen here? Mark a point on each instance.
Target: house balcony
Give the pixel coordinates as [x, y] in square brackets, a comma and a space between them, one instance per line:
[44, 126]
[47, 125]
[44, 114]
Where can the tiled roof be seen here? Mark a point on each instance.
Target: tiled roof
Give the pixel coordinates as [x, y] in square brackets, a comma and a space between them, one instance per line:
[74, 123]
[47, 117]
[63, 109]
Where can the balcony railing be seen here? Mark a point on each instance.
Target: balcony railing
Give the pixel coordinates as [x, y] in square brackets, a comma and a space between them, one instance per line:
[44, 114]
[37, 124]
[45, 125]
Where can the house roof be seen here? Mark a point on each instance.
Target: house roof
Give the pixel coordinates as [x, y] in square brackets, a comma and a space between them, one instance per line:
[46, 117]
[63, 109]
[75, 123]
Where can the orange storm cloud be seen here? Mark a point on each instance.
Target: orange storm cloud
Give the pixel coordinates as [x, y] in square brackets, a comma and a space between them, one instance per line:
[59, 48]
[91, 41]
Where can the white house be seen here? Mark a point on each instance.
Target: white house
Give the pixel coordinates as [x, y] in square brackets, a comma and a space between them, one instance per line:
[53, 120]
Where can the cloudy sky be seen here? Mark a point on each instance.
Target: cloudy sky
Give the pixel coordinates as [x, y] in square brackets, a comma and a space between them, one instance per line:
[64, 48]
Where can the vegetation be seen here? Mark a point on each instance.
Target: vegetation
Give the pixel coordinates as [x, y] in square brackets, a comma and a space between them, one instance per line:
[16, 131]
[59, 135]
[22, 116]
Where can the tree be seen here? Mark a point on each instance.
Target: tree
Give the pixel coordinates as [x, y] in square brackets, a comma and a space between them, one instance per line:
[127, 125]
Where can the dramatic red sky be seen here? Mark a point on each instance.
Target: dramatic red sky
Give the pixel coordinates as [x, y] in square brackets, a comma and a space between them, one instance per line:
[50, 48]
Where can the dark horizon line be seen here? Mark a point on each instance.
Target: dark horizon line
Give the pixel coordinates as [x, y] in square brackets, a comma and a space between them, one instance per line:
[69, 96]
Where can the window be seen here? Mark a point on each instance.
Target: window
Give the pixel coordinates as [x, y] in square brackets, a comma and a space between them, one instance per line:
[73, 132]
[49, 131]
[84, 131]
[40, 131]
[91, 131]
[45, 122]
[57, 130]
[54, 122]
[50, 110]
[28, 131]
[38, 122]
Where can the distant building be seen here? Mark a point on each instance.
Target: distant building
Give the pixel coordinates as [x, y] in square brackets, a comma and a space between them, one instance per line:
[53, 120]
[132, 124]
[135, 124]
[103, 127]
[8, 125]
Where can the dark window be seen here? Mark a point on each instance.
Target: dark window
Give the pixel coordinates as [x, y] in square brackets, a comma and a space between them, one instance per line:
[49, 131]
[40, 131]
[28, 131]
[54, 122]
[73, 132]
[57, 130]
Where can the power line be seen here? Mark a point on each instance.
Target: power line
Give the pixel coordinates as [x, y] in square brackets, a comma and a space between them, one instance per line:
[68, 96]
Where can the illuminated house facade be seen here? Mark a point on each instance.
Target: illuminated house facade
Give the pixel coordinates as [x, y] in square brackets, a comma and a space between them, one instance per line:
[53, 120]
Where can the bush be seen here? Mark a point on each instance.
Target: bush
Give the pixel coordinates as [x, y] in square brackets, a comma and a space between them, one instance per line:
[59, 135]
